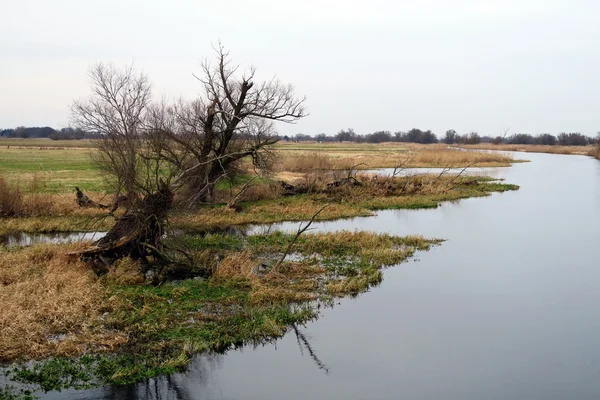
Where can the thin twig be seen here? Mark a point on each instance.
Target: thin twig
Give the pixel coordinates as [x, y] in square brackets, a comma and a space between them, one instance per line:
[300, 231]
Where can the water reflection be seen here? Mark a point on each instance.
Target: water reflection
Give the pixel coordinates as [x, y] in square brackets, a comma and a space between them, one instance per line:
[304, 343]
[29, 239]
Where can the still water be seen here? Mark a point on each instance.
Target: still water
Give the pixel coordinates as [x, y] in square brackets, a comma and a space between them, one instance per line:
[507, 308]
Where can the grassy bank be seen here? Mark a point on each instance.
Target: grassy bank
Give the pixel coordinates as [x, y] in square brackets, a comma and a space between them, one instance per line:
[424, 191]
[53, 306]
[266, 204]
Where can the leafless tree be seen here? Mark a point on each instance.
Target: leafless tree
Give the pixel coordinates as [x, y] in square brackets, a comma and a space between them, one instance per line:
[152, 150]
[232, 120]
[116, 109]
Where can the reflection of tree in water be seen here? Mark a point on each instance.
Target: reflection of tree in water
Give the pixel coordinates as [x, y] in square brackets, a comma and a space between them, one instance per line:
[303, 341]
[195, 383]
[172, 387]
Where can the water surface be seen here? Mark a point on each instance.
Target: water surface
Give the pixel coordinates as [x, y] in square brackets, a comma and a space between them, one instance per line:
[507, 308]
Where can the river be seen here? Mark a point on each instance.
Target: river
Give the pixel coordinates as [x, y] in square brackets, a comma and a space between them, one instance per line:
[507, 308]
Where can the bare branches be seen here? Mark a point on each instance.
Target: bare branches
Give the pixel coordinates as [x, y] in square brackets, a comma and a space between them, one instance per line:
[117, 110]
[400, 167]
[189, 145]
[233, 201]
[300, 231]
[119, 99]
[237, 120]
[461, 172]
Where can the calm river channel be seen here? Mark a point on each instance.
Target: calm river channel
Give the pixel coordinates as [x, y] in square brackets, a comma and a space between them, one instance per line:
[507, 308]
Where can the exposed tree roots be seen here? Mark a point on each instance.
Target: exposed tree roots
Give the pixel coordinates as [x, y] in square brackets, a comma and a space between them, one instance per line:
[137, 234]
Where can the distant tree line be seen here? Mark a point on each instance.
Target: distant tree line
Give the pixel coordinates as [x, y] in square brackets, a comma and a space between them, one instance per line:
[450, 137]
[349, 135]
[47, 132]
[563, 139]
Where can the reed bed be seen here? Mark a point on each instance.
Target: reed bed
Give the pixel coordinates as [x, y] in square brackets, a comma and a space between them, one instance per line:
[408, 155]
[535, 148]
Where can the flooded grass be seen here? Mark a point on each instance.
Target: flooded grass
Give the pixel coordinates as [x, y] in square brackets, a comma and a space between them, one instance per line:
[129, 330]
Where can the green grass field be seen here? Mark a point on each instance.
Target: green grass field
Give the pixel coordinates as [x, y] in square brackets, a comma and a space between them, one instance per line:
[59, 169]
[63, 164]
[42, 142]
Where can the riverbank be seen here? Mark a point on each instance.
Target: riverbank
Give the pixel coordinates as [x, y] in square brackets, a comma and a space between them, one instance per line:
[265, 203]
[589, 150]
[53, 306]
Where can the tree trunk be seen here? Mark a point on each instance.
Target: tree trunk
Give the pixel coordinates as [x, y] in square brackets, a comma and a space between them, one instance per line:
[137, 234]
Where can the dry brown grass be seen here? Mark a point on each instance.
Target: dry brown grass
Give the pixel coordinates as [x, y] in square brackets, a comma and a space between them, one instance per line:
[419, 191]
[306, 161]
[442, 156]
[51, 305]
[294, 282]
[410, 155]
[16, 201]
[595, 152]
[534, 148]
[237, 266]
[11, 199]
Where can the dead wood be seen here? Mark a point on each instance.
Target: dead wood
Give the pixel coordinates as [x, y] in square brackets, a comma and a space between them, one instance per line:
[136, 234]
[300, 231]
[84, 201]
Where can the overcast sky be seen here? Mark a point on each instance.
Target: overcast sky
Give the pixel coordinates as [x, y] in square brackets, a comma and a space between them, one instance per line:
[530, 65]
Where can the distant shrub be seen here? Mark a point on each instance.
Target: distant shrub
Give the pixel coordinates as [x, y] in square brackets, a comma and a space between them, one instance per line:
[15, 203]
[11, 199]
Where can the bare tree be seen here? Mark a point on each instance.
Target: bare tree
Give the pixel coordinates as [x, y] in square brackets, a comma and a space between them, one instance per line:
[116, 109]
[152, 150]
[232, 120]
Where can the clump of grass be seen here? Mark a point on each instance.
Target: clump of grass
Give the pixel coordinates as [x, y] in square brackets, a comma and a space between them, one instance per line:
[595, 151]
[263, 191]
[237, 266]
[51, 304]
[11, 199]
[305, 161]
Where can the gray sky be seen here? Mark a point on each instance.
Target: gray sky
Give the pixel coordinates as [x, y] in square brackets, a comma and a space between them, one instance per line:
[371, 65]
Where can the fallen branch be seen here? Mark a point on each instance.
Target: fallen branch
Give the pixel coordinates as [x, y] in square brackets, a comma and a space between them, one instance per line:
[300, 231]
[84, 201]
[460, 173]
[233, 201]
